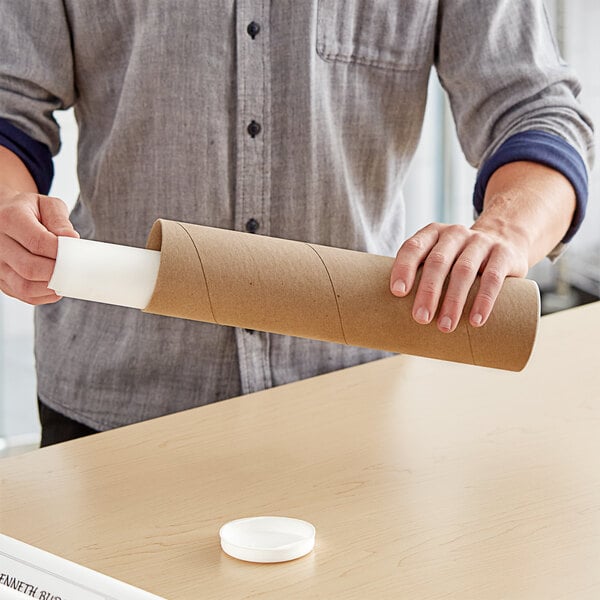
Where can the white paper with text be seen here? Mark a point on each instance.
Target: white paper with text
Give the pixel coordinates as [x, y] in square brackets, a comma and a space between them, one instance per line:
[28, 572]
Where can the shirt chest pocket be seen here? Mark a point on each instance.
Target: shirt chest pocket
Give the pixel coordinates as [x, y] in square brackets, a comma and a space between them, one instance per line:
[388, 34]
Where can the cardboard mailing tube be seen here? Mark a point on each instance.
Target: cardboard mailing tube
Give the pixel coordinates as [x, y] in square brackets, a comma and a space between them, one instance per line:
[324, 293]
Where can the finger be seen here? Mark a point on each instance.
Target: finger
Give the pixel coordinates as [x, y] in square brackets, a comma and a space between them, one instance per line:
[27, 265]
[411, 254]
[32, 292]
[492, 279]
[436, 268]
[32, 301]
[22, 224]
[462, 277]
[54, 215]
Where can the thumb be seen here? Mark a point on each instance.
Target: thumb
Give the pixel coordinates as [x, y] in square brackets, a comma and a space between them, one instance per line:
[54, 216]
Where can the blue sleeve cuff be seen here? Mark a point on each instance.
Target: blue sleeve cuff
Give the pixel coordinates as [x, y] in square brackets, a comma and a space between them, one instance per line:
[35, 155]
[546, 149]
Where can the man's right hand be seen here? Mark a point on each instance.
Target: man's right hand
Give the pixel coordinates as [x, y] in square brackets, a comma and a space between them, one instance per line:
[29, 228]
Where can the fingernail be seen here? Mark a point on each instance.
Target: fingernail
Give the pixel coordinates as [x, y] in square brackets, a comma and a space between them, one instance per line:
[476, 320]
[399, 286]
[422, 315]
[445, 323]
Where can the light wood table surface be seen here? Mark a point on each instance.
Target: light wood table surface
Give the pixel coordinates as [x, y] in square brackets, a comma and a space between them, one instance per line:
[424, 480]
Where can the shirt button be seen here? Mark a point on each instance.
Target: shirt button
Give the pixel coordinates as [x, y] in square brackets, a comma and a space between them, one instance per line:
[253, 128]
[253, 29]
[252, 225]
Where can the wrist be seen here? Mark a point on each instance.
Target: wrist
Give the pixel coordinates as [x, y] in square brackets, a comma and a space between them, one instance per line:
[497, 222]
[530, 205]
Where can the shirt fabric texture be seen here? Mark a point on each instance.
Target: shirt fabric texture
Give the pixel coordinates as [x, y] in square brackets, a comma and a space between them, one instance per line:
[535, 146]
[303, 130]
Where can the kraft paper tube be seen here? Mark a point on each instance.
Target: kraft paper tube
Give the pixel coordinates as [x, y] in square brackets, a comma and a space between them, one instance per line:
[324, 293]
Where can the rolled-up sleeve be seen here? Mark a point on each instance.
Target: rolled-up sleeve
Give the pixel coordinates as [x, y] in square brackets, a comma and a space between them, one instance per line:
[504, 76]
[36, 67]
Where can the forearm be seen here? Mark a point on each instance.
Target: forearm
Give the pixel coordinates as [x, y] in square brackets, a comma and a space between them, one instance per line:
[14, 174]
[529, 205]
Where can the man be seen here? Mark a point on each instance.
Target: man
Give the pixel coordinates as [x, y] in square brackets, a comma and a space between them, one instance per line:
[292, 119]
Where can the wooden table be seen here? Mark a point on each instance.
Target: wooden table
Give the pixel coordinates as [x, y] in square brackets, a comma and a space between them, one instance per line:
[424, 480]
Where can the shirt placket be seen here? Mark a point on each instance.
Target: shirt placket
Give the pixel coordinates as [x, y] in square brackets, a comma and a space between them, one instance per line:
[253, 164]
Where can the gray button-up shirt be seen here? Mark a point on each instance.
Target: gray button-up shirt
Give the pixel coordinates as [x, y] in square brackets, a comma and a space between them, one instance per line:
[302, 130]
